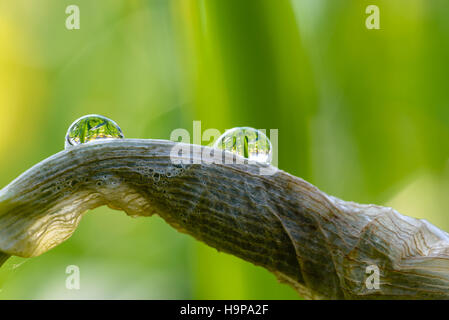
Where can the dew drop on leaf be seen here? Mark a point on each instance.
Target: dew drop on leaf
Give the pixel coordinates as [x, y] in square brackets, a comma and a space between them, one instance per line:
[247, 142]
[92, 127]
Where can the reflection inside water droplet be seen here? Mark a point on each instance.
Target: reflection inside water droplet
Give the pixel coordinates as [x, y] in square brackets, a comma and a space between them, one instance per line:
[92, 127]
[247, 142]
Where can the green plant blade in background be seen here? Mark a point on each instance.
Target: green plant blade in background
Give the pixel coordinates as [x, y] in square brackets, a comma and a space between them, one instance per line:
[362, 114]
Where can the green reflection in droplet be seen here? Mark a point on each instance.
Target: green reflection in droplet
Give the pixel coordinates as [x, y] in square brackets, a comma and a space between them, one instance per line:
[92, 127]
[247, 142]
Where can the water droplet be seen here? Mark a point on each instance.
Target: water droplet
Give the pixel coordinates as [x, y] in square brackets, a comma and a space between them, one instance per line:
[247, 142]
[92, 127]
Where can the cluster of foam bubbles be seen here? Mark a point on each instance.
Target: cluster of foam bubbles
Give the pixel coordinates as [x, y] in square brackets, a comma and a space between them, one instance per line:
[161, 175]
[157, 176]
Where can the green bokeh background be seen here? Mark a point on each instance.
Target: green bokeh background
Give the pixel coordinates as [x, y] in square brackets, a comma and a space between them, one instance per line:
[362, 114]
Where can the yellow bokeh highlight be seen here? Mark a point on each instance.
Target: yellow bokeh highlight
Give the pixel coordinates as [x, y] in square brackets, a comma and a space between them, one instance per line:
[21, 85]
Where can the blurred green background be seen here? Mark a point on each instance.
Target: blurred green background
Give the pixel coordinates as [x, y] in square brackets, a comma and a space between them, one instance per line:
[362, 114]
